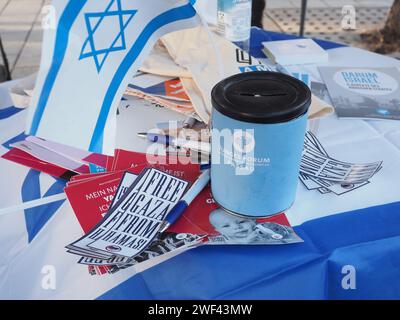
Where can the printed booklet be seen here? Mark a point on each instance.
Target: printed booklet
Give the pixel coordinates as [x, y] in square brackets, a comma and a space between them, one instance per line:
[368, 93]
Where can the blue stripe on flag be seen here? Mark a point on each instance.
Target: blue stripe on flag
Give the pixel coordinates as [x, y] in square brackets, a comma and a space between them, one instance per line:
[65, 24]
[20, 137]
[176, 14]
[8, 112]
[367, 239]
[37, 217]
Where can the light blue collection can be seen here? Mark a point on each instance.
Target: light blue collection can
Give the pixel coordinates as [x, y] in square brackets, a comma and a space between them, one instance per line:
[258, 125]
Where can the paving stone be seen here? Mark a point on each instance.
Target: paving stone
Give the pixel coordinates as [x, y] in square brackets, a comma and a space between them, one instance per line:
[20, 25]
[325, 23]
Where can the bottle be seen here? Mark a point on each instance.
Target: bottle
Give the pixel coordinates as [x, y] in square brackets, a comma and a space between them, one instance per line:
[208, 10]
[234, 21]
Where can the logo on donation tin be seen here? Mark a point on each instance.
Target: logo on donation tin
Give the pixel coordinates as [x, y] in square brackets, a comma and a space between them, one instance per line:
[244, 157]
[237, 150]
[243, 141]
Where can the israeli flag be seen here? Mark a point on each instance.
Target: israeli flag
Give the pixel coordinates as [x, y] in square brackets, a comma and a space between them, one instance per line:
[89, 56]
[351, 246]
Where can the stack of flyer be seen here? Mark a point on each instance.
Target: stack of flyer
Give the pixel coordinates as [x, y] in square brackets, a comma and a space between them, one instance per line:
[119, 226]
[122, 222]
[161, 90]
[121, 201]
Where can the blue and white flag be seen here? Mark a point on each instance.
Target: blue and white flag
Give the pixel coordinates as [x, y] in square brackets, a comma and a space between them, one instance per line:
[351, 246]
[88, 59]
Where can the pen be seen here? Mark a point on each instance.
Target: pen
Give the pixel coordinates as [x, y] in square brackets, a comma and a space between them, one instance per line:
[200, 146]
[186, 200]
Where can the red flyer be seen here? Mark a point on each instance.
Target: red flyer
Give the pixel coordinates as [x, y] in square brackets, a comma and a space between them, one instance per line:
[88, 176]
[180, 167]
[109, 163]
[30, 161]
[91, 199]
[205, 217]
[99, 159]
[90, 195]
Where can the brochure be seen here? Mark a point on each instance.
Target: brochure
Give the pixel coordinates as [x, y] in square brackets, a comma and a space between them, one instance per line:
[367, 93]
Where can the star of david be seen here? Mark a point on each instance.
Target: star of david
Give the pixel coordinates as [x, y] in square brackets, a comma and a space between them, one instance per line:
[100, 43]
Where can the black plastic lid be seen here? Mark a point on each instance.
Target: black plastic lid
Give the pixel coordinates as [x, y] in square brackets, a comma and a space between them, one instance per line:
[261, 97]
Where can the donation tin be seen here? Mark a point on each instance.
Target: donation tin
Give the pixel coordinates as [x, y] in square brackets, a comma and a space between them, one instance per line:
[259, 121]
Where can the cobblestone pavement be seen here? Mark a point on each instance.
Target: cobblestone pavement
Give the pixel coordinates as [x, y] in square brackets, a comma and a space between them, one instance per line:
[21, 32]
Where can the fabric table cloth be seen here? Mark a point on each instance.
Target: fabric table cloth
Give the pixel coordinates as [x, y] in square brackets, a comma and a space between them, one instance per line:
[357, 232]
